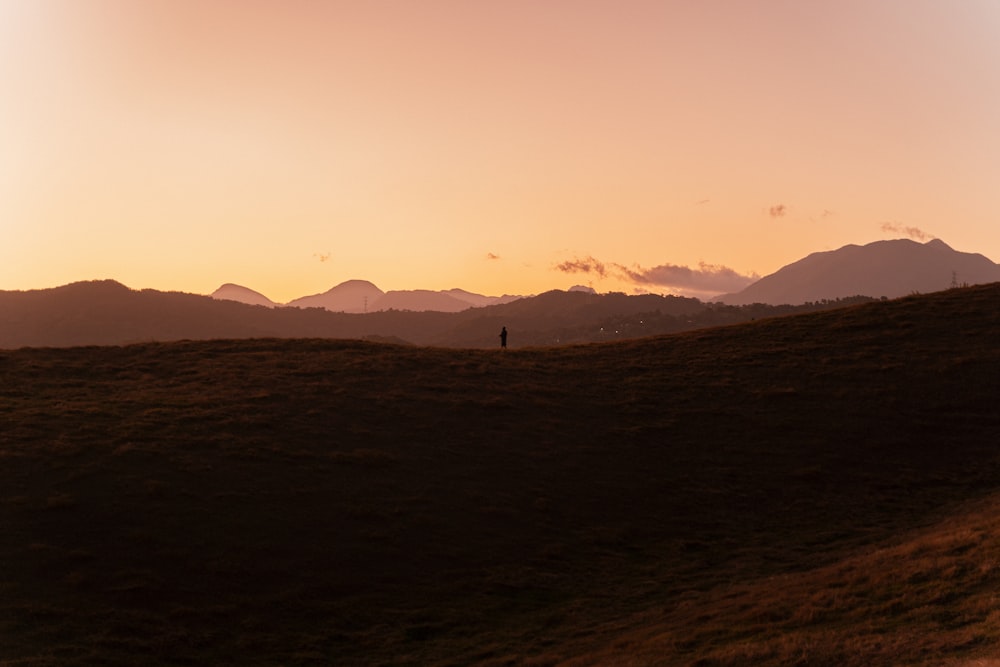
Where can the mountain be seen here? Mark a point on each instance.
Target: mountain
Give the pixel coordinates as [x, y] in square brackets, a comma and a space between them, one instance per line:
[361, 296]
[352, 296]
[105, 312]
[231, 292]
[880, 269]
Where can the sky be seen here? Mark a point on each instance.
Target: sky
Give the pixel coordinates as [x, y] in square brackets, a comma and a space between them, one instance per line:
[503, 147]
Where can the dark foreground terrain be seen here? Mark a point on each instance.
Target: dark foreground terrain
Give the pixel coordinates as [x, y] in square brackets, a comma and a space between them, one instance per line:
[822, 489]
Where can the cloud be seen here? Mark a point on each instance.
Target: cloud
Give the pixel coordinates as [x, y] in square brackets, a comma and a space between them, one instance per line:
[492, 256]
[777, 211]
[586, 265]
[912, 232]
[824, 214]
[706, 278]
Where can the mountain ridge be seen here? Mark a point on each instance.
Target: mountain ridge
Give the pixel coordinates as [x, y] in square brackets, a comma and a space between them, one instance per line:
[109, 313]
[363, 296]
[890, 268]
[234, 292]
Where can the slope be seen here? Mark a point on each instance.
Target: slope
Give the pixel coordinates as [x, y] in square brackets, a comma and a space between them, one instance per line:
[314, 502]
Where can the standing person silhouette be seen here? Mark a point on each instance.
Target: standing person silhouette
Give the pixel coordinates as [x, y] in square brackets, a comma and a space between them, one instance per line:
[503, 338]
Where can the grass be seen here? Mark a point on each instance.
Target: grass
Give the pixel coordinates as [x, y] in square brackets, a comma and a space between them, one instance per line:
[818, 489]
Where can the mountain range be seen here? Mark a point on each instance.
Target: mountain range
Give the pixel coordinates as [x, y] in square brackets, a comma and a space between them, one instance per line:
[109, 313]
[887, 269]
[362, 296]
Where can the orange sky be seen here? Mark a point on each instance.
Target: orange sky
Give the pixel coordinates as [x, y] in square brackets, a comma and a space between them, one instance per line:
[502, 147]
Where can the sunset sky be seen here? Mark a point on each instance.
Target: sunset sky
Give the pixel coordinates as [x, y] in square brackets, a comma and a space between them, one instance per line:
[504, 146]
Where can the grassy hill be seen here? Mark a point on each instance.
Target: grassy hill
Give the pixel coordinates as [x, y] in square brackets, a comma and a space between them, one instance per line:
[822, 489]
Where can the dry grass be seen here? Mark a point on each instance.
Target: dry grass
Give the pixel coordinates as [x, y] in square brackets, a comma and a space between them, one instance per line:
[814, 490]
[930, 594]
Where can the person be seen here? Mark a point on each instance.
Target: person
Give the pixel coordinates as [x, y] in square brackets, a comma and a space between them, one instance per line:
[503, 338]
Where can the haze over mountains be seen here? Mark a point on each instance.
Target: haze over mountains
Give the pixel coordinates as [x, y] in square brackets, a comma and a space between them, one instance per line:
[362, 296]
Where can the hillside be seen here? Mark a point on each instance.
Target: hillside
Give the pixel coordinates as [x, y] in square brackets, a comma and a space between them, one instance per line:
[817, 489]
[881, 269]
[109, 313]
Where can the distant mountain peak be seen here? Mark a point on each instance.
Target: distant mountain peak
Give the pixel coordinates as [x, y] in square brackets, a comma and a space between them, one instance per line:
[355, 283]
[888, 268]
[350, 296]
[234, 292]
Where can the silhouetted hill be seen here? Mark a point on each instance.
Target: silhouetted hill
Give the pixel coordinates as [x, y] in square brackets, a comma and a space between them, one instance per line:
[557, 317]
[108, 313]
[880, 269]
[361, 296]
[241, 294]
[820, 489]
[352, 296]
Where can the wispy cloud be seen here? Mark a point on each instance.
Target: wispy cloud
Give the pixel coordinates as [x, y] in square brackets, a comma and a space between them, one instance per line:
[705, 278]
[586, 265]
[913, 232]
[825, 214]
[777, 211]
